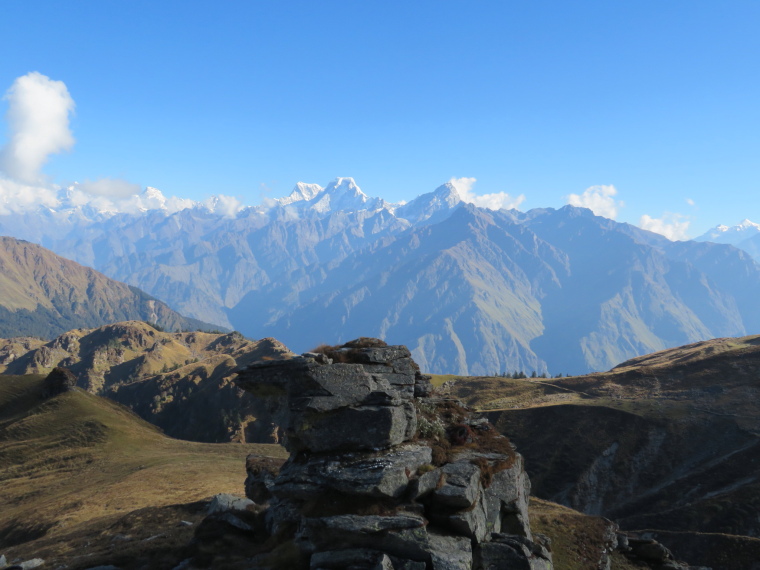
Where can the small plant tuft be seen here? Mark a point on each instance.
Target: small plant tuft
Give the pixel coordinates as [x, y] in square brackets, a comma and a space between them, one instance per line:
[430, 429]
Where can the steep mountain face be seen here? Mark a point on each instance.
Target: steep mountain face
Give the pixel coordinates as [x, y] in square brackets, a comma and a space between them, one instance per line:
[42, 294]
[181, 382]
[469, 290]
[630, 292]
[462, 293]
[13, 348]
[432, 207]
[203, 264]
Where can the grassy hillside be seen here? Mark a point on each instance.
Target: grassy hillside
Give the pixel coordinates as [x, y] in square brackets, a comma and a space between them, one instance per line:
[79, 470]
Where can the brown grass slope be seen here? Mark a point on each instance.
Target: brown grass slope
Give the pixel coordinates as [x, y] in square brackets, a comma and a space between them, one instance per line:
[43, 294]
[181, 382]
[84, 481]
[667, 441]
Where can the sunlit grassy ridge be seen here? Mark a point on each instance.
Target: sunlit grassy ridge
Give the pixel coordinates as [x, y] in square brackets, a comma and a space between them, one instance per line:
[78, 461]
[714, 377]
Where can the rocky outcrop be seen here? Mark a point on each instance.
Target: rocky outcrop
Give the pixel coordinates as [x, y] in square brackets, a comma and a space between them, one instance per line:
[60, 380]
[13, 348]
[643, 549]
[383, 475]
[181, 382]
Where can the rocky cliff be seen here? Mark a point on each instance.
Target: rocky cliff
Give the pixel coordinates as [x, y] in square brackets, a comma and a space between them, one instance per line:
[669, 440]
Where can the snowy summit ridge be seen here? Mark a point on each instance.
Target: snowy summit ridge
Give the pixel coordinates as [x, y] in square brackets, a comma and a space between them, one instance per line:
[733, 235]
[341, 194]
[91, 202]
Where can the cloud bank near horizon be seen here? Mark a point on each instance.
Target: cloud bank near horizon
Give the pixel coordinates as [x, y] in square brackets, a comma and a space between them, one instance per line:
[672, 226]
[495, 201]
[38, 121]
[599, 199]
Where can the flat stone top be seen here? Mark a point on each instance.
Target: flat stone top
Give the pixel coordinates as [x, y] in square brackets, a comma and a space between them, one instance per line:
[371, 355]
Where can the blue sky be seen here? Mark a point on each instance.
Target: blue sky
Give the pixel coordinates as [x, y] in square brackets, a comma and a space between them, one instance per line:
[541, 99]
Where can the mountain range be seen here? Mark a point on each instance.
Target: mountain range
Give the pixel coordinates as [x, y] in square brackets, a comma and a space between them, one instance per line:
[469, 290]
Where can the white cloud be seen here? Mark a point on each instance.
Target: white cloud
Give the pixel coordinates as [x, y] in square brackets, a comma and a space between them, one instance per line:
[38, 125]
[672, 226]
[149, 199]
[690, 202]
[17, 197]
[598, 199]
[110, 187]
[227, 206]
[175, 204]
[268, 203]
[495, 201]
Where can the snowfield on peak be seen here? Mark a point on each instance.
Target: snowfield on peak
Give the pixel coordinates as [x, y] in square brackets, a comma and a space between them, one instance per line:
[731, 234]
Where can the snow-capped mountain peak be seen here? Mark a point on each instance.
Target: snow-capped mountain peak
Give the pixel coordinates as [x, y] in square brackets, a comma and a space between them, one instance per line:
[341, 194]
[343, 186]
[303, 192]
[448, 194]
[731, 234]
[152, 199]
[90, 202]
[432, 206]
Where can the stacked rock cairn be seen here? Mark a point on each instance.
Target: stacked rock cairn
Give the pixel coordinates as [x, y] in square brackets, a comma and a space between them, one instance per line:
[382, 474]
